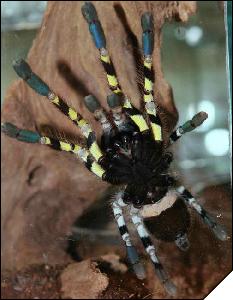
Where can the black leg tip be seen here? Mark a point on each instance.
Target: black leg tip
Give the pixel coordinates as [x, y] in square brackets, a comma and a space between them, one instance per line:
[89, 12]
[147, 22]
[22, 68]
[170, 288]
[220, 232]
[10, 129]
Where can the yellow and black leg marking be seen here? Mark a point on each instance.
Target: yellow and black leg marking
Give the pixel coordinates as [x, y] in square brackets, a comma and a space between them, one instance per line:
[37, 84]
[148, 46]
[110, 72]
[135, 115]
[90, 14]
[34, 137]
[82, 153]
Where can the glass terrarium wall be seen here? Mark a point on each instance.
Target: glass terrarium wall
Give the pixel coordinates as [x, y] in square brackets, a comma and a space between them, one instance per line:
[19, 23]
[194, 62]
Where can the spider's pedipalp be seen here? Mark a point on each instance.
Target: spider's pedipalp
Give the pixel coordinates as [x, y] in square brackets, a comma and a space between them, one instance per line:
[188, 126]
[100, 114]
[150, 249]
[131, 251]
[119, 118]
[218, 230]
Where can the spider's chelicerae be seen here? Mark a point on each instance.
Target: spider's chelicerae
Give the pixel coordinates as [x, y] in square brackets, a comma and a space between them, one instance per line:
[132, 154]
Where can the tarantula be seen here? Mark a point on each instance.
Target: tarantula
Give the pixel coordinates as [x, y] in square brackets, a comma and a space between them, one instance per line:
[132, 154]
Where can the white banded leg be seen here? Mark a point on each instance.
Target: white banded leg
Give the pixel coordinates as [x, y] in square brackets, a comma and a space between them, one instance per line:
[218, 230]
[150, 249]
[132, 255]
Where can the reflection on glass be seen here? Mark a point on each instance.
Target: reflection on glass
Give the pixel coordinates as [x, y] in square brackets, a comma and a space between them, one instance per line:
[217, 142]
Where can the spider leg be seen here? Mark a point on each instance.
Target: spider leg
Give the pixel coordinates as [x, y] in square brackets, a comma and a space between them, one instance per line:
[100, 114]
[132, 255]
[150, 249]
[120, 119]
[182, 242]
[24, 71]
[96, 30]
[188, 126]
[34, 137]
[148, 47]
[217, 229]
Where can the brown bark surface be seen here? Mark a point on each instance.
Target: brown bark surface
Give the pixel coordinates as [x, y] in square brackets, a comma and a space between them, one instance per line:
[44, 191]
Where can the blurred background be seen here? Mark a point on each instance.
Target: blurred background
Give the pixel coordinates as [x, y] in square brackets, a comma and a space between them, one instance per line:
[194, 63]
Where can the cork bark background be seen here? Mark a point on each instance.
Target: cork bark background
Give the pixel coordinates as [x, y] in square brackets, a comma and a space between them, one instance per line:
[43, 191]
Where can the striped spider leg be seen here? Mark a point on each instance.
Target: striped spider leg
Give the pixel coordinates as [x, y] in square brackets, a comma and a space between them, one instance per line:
[136, 117]
[92, 155]
[132, 152]
[28, 136]
[217, 229]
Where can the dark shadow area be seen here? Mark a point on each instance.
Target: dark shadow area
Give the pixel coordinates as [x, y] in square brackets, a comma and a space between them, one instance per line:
[134, 44]
[91, 226]
[72, 80]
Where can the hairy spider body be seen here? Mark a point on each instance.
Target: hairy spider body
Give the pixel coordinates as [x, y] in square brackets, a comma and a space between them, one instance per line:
[132, 154]
[137, 161]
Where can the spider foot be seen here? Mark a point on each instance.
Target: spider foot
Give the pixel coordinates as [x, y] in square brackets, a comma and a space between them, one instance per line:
[167, 283]
[170, 288]
[135, 262]
[182, 242]
[219, 230]
[20, 134]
